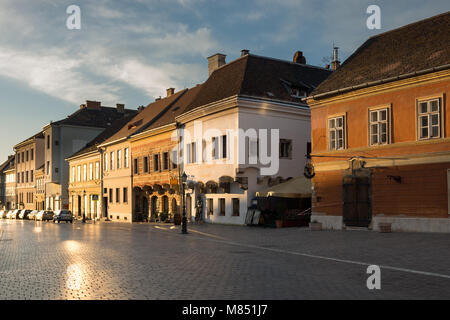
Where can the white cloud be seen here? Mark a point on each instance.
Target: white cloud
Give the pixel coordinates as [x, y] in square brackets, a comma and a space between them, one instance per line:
[54, 73]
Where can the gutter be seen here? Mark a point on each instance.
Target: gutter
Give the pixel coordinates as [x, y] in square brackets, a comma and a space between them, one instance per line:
[377, 82]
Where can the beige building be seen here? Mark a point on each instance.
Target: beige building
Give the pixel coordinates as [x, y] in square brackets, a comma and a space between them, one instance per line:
[86, 175]
[39, 177]
[68, 136]
[29, 157]
[8, 184]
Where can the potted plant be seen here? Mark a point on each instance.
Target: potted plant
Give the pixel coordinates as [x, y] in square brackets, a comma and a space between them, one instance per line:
[315, 225]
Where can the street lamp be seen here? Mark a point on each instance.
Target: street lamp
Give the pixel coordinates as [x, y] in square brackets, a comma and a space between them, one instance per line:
[84, 207]
[184, 220]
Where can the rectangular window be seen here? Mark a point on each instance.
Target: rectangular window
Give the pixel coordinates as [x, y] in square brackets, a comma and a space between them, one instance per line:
[235, 207]
[224, 147]
[97, 170]
[23, 156]
[117, 195]
[91, 171]
[210, 206]
[126, 158]
[136, 166]
[215, 148]
[106, 162]
[125, 195]
[119, 159]
[31, 175]
[285, 149]
[26, 177]
[156, 162]
[188, 153]
[165, 161]
[23, 180]
[193, 152]
[26, 156]
[429, 119]
[32, 154]
[336, 133]
[110, 195]
[79, 173]
[73, 174]
[145, 164]
[174, 159]
[48, 141]
[111, 162]
[379, 126]
[221, 206]
[84, 172]
[48, 167]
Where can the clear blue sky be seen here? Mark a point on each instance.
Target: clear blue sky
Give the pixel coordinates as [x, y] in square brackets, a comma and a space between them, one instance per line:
[130, 51]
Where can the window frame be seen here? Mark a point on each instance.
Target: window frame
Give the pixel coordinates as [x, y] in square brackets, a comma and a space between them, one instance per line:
[429, 114]
[344, 133]
[378, 109]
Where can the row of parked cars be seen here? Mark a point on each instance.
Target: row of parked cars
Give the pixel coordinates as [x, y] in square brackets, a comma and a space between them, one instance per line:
[43, 215]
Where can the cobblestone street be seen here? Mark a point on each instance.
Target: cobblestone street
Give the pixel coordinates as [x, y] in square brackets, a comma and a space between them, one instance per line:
[142, 261]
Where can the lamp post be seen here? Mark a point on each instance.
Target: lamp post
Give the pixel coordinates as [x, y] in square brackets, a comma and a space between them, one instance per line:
[184, 220]
[84, 207]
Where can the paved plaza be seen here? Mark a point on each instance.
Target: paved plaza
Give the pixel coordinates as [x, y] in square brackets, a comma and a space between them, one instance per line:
[147, 261]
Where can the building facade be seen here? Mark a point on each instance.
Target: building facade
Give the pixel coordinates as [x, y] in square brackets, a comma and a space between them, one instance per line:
[8, 184]
[68, 136]
[246, 129]
[29, 157]
[380, 134]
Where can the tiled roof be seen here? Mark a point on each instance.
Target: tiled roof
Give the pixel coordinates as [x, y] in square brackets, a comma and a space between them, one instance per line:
[90, 117]
[146, 117]
[259, 77]
[107, 133]
[39, 135]
[415, 47]
[176, 109]
[6, 165]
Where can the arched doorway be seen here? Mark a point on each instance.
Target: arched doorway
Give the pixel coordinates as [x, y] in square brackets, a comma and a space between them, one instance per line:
[165, 204]
[145, 208]
[174, 206]
[154, 207]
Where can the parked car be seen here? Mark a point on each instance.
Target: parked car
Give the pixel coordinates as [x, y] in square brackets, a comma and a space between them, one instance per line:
[44, 215]
[32, 215]
[3, 214]
[24, 214]
[63, 215]
[14, 214]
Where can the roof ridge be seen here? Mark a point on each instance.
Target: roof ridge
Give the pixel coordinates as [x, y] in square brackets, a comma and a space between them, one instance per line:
[408, 25]
[159, 115]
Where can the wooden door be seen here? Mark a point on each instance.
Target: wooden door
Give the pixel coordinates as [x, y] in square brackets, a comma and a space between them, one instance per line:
[356, 198]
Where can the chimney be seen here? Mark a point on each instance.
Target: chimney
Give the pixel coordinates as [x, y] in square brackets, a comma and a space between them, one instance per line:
[327, 66]
[120, 108]
[93, 104]
[140, 108]
[299, 58]
[244, 52]
[215, 62]
[335, 63]
[170, 92]
[82, 106]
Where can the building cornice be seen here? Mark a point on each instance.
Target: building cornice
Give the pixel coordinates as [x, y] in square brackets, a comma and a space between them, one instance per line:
[251, 103]
[377, 87]
[84, 155]
[153, 132]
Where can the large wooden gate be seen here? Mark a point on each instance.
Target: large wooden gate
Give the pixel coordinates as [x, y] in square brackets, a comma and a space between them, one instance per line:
[357, 205]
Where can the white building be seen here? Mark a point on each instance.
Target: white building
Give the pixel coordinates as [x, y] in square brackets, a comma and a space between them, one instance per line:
[247, 128]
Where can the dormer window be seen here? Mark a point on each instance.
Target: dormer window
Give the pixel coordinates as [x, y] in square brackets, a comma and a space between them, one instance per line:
[297, 92]
[135, 124]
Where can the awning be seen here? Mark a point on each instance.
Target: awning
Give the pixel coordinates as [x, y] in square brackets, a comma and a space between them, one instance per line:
[295, 188]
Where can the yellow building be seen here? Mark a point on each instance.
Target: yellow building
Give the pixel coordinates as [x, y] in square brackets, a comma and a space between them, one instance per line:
[85, 184]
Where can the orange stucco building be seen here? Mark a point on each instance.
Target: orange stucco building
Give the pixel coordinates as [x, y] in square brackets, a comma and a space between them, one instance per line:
[381, 133]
